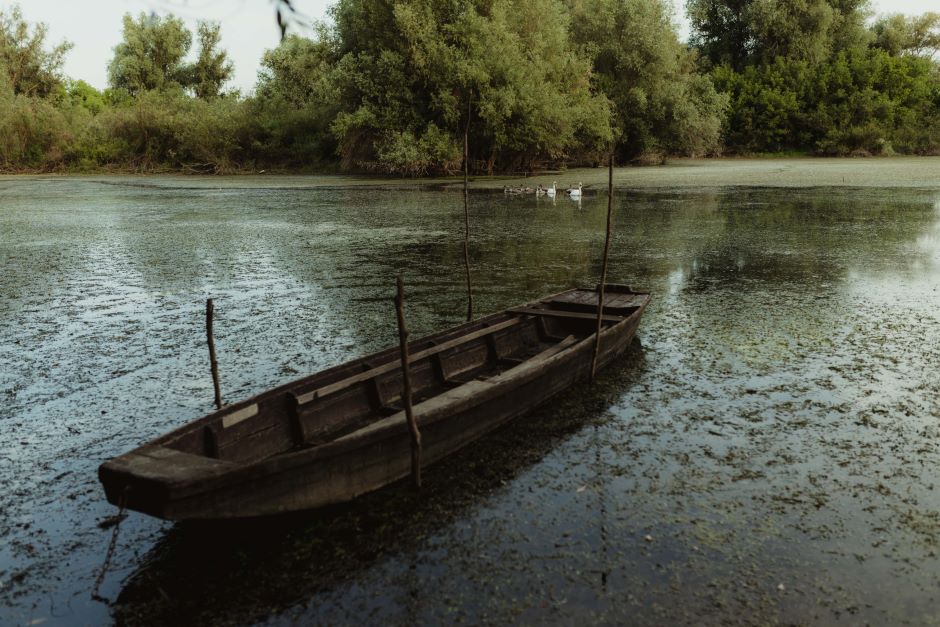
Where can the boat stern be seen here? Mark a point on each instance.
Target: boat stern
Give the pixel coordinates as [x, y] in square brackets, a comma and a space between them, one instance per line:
[156, 479]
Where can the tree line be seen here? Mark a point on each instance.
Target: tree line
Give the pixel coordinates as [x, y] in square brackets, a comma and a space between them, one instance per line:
[393, 86]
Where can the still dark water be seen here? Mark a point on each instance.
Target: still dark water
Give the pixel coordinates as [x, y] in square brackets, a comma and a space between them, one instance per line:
[768, 451]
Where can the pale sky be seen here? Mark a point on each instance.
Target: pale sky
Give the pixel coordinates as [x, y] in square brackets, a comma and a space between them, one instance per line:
[248, 27]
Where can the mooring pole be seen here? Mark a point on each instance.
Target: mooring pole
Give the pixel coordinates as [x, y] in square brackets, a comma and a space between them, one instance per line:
[406, 386]
[600, 288]
[466, 207]
[213, 363]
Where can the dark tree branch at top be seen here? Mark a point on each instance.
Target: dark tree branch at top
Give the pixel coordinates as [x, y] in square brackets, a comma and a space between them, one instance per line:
[286, 13]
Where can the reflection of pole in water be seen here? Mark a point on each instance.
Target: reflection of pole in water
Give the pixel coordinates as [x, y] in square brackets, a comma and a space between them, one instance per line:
[600, 288]
[466, 209]
[601, 511]
[413, 594]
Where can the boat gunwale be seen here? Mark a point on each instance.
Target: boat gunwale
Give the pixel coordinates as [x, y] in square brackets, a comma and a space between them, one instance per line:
[239, 472]
[295, 384]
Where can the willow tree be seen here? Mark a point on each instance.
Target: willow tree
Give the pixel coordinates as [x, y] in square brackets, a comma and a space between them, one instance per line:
[152, 56]
[32, 68]
[409, 74]
[917, 35]
[661, 104]
[212, 68]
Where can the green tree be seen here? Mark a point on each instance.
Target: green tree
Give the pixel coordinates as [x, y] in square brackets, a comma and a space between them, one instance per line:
[902, 34]
[739, 33]
[793, 29]
[212, 68]
[722, 31]
[296, 102]
[858, 102]
[151, 54]
[810, 76]
[31, 68]
[661, 105]
[34, 132]
[297, 71]
[411, 76]
[84, 95]
[393, 86]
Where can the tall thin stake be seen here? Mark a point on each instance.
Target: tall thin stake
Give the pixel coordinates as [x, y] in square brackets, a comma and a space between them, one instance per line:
[213, 363]
[466, 208]
[406, 381]
[600, 288]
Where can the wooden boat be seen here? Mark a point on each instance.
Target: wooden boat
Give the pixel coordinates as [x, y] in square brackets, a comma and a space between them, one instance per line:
[332, 436]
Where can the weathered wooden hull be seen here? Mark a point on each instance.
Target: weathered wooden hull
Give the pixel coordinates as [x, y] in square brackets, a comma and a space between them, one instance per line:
[365, 459]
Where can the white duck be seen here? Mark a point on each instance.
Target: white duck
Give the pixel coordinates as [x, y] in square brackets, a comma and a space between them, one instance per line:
[575, 192]
[550, 192]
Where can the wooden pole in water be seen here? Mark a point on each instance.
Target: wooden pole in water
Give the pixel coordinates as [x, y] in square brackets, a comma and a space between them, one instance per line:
[466, 208]
[406, 385]
[213, 363]
[600, 288]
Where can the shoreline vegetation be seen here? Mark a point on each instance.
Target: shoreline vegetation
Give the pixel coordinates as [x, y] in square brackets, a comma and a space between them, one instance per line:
[678, 173]
[391, 87]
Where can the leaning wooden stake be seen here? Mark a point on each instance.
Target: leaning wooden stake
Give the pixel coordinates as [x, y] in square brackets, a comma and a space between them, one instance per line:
[406, 384]
[210, 309]
[600, 288]
[466, 210]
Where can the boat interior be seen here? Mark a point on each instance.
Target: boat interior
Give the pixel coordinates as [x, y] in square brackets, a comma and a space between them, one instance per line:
[339, 401]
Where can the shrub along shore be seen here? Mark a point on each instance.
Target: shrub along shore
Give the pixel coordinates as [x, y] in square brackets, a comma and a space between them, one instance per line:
[392, 88]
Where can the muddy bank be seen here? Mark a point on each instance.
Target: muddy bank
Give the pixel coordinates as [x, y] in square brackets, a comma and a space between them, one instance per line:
[879, 172]
[876, 172]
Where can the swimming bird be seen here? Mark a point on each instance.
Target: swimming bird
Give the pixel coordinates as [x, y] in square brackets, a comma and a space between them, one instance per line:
[551, 190]
[540, 191]
[575, 192]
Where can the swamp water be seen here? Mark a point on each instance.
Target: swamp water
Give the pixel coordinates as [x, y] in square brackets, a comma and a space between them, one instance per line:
[767, 451]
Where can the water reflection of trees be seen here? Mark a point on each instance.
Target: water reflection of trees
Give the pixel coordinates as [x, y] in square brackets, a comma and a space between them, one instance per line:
[329, 256]
[787, 236]
[765, 271]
